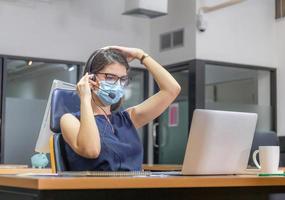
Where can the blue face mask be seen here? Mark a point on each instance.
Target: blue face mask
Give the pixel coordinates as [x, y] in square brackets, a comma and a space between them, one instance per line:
[104, 91]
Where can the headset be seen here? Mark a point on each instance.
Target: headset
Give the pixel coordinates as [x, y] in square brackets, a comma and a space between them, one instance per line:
[88, 66]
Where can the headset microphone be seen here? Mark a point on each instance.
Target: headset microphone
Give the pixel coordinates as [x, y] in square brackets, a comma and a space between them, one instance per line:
[110, 94]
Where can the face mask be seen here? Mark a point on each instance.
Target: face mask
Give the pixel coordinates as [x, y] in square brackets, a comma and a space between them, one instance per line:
[104, 91]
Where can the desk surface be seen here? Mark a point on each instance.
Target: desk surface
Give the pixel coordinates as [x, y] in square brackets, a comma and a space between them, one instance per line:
[163, 167]
[75, 183]
[17, 170]
[23, 170]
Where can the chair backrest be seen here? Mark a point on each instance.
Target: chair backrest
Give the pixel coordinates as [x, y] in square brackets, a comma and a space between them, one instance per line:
[268, 138]
[58, 155]
[62, 101]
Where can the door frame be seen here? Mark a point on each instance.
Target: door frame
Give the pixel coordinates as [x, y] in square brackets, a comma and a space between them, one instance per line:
[187, 65]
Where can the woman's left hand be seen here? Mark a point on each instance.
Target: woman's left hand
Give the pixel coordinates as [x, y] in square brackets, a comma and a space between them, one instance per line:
[130, 53]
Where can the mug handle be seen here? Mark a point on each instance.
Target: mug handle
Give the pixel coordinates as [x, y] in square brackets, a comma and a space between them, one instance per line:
[254, 159]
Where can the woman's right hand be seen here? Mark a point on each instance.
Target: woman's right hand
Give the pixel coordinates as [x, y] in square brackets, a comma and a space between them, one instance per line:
[83, 87]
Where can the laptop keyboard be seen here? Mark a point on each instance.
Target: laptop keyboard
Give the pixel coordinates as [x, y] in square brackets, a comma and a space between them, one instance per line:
[117, 173]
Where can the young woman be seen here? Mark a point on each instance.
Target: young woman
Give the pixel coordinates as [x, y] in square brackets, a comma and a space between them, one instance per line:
[96, 137]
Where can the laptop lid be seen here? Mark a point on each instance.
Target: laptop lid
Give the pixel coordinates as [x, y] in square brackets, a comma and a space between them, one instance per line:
[219, 142]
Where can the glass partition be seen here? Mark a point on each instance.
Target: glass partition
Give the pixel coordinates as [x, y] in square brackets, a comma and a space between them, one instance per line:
[27, 88]
[239, 89]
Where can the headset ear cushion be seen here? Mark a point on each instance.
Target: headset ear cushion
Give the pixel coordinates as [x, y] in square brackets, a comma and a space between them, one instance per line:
[90, 60]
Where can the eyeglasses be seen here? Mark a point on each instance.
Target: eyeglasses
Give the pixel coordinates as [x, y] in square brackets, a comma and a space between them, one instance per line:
[113, 79]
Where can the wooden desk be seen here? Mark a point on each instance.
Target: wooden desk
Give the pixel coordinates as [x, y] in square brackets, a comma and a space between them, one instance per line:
[157, 167]
[186, 187]
[23, 170]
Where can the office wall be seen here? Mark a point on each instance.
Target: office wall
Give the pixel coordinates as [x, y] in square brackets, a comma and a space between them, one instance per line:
[242, 33]
[67, 29]
[280, 47]
[180, 15]
[246, 33]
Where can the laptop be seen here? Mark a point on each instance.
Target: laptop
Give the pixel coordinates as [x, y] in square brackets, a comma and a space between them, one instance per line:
[219, 142]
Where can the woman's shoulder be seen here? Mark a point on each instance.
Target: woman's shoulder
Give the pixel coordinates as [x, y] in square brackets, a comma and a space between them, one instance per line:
[121, 117]
[68, 118]
[121, 113]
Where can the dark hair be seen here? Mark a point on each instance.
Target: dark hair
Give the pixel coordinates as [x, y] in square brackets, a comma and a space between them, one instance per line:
[103, 57]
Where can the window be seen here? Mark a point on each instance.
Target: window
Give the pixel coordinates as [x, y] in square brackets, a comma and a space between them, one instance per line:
[240, 89]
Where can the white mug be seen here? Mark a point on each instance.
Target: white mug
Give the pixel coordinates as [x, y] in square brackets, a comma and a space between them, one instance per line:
[268, 158]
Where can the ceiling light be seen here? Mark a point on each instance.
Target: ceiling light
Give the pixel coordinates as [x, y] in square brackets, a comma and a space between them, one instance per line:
[30, 62]
[71, 68]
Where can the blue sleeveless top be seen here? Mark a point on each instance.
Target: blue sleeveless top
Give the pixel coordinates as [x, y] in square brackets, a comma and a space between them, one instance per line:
[121, 150]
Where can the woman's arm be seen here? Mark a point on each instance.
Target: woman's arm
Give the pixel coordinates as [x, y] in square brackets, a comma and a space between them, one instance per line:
[83, 136]
[153, 106]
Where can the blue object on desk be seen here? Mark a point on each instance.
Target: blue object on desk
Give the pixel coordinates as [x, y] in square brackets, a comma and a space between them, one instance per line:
[39, 160]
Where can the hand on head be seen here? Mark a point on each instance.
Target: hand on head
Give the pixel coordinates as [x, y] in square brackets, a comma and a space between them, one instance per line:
[128, 52]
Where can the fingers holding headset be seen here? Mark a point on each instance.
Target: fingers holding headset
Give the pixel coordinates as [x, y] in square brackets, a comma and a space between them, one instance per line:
[83, 86]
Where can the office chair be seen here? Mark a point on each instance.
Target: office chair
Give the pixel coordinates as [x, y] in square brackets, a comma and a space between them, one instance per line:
[62, 101]
[268, 138]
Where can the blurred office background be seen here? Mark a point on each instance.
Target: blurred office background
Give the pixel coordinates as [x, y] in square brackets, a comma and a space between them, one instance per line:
[236, 64]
